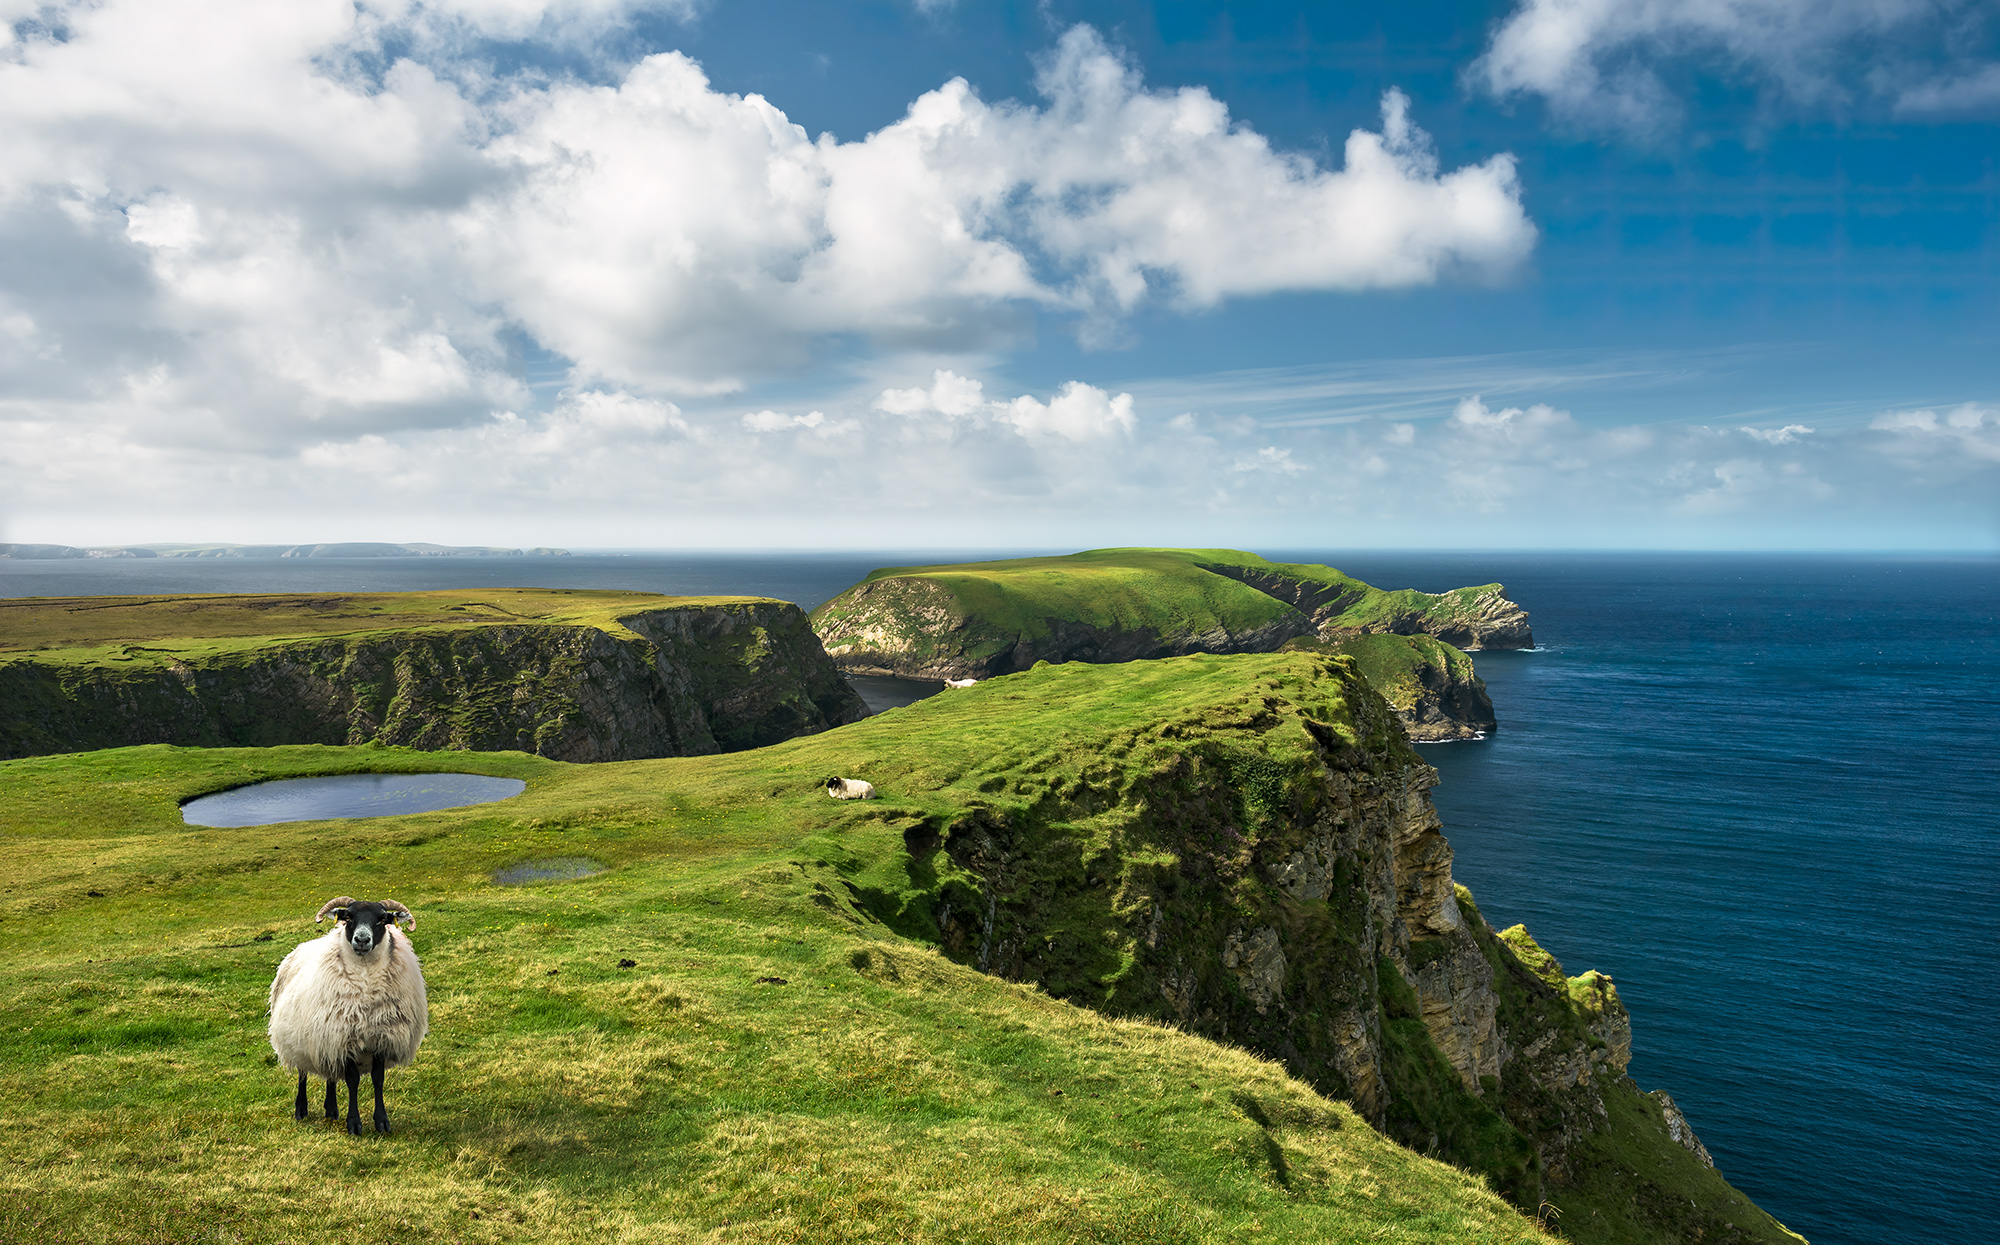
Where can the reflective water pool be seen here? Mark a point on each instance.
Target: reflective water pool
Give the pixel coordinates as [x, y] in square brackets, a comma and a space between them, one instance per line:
[885, 691]
[345, 795]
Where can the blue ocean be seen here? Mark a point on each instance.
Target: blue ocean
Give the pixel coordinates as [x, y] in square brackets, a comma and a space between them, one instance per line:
[1759, 790]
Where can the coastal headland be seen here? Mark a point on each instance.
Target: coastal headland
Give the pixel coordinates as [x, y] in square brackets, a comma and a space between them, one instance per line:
[576, 675]
[1165, 950]
[979, 619]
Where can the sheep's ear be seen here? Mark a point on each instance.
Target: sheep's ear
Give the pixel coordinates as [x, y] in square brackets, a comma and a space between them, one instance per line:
[336, 906]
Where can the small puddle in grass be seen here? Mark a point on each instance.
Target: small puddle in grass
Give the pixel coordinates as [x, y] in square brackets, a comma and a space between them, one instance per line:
[554, 869]
[345, 795]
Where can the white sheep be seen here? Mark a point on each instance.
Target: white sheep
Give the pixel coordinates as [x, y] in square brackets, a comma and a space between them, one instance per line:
[355, 996]
[850, 789]
[960, 682]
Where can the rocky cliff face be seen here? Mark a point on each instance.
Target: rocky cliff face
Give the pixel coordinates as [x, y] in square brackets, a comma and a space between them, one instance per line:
[691, 680]
[1306, 911]
[1488, 620]
[918, 628]
[1430, 685]
[1469, 618]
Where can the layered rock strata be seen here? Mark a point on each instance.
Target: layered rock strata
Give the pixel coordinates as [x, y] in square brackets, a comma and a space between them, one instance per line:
[682, 681]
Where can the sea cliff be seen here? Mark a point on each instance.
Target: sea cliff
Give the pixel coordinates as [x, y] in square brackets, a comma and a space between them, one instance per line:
[1110, 938]
[1267, 869]
[645, 677]
[980, 619]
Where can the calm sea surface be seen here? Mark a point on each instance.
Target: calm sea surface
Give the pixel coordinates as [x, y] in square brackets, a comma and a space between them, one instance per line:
[1760, 791]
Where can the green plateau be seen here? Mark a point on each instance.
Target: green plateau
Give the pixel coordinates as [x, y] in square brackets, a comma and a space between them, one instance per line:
[979, 619]
[1162, 951]
[579, 675]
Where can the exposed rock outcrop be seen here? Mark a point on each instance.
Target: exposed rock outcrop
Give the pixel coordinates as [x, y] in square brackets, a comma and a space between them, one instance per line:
[920, 629]
[1301, 906]
[1678, 1127]
[1466, 618]
[1433, 688]
[688, 680]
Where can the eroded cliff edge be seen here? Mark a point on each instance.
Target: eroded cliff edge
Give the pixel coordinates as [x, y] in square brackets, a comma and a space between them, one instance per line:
[1267, 869]
[981, 619]
[683, 679]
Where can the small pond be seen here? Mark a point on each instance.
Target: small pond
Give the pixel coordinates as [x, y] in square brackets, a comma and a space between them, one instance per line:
[888, 691]
[345, 795]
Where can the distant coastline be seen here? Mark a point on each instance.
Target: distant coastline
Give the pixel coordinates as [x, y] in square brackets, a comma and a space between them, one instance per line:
[348, 549]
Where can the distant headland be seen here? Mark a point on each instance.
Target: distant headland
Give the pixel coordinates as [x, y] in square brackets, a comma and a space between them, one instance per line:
[345, 549]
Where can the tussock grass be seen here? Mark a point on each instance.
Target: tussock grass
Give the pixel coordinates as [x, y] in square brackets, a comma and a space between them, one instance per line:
[778, 1066]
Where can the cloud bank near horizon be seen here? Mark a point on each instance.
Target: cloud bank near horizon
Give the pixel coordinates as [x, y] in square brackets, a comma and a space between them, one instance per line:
[302, 275]
[950, 459]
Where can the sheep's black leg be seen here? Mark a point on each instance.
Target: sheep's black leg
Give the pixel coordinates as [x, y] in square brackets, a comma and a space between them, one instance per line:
[375, 1071]
[353, 1070]
[333, 1098]
[299, 1106]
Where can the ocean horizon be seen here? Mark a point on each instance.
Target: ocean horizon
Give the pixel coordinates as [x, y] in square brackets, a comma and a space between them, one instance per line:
[1755, 788]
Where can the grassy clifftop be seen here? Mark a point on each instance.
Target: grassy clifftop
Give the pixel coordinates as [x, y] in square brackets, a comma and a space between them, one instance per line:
[579, 675]
[98, 630]
[804, 1047]
[1113, 605]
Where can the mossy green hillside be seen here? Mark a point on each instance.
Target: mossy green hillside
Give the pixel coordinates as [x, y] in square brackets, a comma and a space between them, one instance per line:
[579, 675]
[774, 1067]
[876, 1090]
[1116, 605]
[1431, 685]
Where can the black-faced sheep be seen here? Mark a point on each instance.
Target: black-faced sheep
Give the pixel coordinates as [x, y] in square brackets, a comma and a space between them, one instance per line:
[351, 998]
[850, 789]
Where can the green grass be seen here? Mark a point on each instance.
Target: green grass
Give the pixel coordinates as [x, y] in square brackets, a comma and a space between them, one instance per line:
[1123, 589]
[976, 611]
[882, 1092]
[86, 631]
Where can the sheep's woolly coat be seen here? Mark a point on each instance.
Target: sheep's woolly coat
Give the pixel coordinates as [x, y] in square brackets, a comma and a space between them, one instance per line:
[329, 1005]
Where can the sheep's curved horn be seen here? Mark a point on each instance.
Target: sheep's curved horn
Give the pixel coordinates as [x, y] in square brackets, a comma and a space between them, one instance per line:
[406, 918]
[331, 904]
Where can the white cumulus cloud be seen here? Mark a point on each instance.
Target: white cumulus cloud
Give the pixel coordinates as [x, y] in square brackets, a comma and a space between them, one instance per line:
[1077, 411]
[323, 218]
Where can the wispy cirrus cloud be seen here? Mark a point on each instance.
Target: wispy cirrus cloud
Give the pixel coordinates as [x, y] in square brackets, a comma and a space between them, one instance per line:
[1620, 64]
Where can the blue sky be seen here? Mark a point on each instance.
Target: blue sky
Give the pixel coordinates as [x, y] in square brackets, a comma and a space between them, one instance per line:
[1541, 273]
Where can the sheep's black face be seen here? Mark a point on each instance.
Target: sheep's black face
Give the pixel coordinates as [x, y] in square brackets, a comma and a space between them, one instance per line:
[368, 926]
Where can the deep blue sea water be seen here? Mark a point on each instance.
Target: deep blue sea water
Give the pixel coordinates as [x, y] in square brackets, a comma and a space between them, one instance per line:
[1761, 791]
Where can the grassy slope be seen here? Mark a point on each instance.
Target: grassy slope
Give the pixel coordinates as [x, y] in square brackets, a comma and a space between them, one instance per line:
[103, 630]
[881, 1093]
[1126, 589]
[1160, 588]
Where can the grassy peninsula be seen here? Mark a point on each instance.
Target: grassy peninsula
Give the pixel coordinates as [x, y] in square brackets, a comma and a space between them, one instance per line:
[1111, 605]
[804, 1048]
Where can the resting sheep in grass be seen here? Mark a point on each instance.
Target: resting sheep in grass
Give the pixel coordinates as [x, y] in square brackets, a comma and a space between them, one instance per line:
[960, 682]
[850, 789]
[351, 998]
